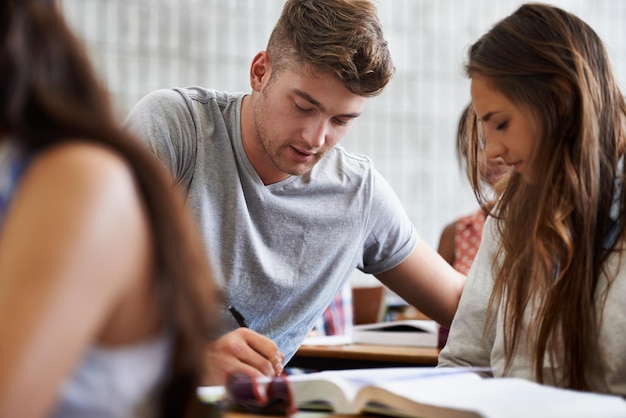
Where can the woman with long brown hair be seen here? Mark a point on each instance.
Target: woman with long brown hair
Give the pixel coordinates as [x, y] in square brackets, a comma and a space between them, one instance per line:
[545, 297]
[106, 298]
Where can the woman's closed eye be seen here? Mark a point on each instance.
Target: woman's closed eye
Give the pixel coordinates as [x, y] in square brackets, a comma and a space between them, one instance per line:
[502, 126]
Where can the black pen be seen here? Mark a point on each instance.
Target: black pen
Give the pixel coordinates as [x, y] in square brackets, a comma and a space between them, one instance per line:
[238, 316]
[277, 361]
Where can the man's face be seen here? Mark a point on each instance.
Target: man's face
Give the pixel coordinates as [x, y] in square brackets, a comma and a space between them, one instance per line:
[299, 117]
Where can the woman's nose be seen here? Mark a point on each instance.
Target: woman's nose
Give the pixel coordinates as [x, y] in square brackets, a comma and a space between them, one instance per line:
[493, 148]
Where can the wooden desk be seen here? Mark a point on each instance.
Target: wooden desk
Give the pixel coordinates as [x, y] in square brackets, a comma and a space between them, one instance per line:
[353, 356]
[216, 412]
[299, 414]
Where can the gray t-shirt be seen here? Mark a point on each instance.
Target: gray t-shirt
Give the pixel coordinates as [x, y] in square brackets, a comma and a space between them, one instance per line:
[283, 250]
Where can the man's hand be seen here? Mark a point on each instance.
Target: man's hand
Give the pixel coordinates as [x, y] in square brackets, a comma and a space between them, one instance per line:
[243, 351]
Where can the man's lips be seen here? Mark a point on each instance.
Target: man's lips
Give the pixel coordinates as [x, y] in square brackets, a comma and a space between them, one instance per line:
[302, 156]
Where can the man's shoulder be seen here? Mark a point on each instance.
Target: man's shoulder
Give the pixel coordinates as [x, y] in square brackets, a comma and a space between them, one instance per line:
[344, 168]
[189, 96]
[205, 95]
[351, 160]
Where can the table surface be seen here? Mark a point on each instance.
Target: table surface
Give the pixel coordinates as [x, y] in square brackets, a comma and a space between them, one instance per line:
[299, 414]
[416, 355]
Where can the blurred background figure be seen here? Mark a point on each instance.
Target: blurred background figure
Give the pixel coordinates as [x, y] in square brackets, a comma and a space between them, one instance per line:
[106, 298]
[338, 317]
[460, 239]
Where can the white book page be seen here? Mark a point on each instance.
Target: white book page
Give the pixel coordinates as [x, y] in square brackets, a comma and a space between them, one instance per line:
[347, 383]
[327, 340]
[508, 397]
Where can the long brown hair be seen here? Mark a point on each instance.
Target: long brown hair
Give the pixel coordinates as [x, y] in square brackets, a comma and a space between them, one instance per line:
[550, 259]
[49, 93]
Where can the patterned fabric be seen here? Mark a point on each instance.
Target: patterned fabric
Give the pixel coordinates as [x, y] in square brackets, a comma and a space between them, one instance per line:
[469, 230]
[338, 317]
[12, 164]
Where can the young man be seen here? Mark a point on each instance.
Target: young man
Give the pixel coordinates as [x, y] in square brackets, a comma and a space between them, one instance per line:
[285, 212]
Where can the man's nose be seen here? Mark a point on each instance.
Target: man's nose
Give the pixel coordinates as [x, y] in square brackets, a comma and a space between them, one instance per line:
[315, 134]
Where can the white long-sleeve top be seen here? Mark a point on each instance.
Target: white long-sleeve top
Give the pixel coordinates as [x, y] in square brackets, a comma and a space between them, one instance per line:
[466, 346]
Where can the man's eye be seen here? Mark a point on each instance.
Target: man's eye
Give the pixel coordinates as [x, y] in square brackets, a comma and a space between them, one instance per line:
[301, 109]
[340, 122]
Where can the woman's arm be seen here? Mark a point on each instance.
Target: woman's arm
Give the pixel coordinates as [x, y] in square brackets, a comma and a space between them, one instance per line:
[425, 280]
[469, 343]
[73, 242]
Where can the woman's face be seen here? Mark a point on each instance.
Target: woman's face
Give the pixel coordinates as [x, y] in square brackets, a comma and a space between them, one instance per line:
[492, 169]
[508, 130]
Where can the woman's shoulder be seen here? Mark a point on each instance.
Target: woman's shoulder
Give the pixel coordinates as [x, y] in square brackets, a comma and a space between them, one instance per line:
[79, 156]
[90, 197]
[82, 169]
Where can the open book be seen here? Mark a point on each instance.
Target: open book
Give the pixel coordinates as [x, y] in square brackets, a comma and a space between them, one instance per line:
[408, 332]
[440, 393]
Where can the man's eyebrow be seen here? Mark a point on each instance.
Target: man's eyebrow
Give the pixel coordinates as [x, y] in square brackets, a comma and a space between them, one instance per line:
[308, 98]
[317, 104]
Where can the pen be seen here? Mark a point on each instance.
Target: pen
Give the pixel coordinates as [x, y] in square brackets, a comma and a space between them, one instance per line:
[277, 361]
[238, 316]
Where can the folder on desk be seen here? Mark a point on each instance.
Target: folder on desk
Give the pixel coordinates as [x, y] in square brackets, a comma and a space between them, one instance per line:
[408, 332]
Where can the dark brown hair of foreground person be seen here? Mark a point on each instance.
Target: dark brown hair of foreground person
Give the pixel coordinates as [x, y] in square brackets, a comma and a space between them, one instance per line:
[553, 228]
[49, 94]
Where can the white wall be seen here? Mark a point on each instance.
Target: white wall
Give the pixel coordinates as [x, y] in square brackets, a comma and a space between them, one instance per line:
[409, 131]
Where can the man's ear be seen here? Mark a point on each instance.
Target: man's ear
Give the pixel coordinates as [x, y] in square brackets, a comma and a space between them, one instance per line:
[260, 70]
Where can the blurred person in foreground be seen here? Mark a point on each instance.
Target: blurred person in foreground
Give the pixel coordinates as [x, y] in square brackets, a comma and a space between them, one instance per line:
[106, 297]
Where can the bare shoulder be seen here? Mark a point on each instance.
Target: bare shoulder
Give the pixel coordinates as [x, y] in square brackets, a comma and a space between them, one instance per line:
[76, 238]
[80, 198]
[84, 174]
[446, 242]
[81, 161]
[448, 232]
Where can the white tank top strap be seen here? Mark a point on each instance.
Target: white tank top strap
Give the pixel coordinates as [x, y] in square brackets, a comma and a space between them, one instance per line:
[117, 382]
